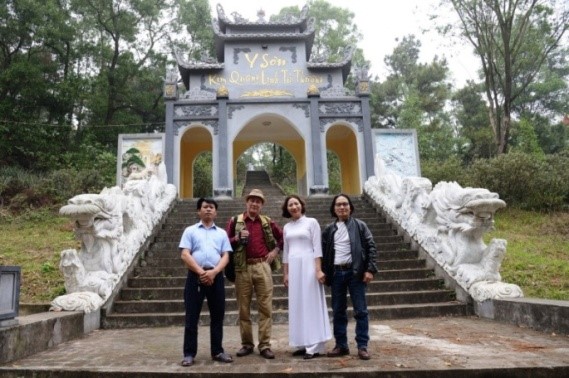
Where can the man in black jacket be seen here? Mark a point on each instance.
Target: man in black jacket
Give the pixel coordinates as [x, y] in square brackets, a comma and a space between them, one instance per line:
[349, 265]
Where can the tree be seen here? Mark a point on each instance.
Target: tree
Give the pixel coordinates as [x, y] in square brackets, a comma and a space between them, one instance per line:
[37, 82]
[513, 39]
[335, 28]
[471, 114]
[120, 39]
[413, 96]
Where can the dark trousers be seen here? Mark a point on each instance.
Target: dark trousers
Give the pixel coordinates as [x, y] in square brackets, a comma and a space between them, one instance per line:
[342, 283]
[194, 294]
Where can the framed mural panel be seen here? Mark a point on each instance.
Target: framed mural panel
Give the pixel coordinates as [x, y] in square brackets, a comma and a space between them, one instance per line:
[399, 149]
[138, 155]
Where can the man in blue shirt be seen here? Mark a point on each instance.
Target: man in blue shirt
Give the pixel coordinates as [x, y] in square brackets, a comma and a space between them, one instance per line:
[205, 252]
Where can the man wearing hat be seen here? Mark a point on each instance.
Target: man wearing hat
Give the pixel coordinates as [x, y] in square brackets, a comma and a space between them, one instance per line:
[256, 241]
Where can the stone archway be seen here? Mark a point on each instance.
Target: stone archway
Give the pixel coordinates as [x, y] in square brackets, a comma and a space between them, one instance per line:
[341, 139]
[195, 140]
[273, 128]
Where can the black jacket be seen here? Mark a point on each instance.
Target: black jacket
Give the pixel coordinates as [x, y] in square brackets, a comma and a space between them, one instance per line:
[362, 246]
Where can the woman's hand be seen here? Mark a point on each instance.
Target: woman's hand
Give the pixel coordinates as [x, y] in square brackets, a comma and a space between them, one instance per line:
[320, 276]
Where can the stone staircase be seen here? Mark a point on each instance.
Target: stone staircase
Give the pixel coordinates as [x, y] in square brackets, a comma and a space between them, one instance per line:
[153, 296]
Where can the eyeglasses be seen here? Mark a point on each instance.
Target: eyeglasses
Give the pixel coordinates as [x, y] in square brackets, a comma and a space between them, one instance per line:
[342, 204]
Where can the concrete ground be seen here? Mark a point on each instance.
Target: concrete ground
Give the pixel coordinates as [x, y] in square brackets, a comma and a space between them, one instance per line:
[465, 346]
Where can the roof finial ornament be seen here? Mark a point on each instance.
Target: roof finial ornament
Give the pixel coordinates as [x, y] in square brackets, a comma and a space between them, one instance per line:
[261, 15]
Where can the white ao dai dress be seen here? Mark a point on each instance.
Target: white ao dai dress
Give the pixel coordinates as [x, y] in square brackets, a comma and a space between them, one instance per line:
[307, 312]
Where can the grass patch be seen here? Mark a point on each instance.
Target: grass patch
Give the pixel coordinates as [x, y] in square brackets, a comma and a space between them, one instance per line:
[537, 256]
[33, 241]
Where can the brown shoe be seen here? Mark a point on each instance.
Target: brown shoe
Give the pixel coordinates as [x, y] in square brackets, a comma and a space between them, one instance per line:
[244, 351]
[268, 354]
[337, 352]
[363, 354]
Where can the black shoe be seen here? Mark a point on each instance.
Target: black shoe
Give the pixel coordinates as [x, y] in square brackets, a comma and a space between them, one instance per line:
[222, 357]
[309, 356]
[268, 354]
[244, 351]
[299, 352]
[337, 352]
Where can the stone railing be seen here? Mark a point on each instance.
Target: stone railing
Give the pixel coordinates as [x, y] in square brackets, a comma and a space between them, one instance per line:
[111, 226]
[449, 222]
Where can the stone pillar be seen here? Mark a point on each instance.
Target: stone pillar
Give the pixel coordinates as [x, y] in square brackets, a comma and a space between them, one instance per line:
[362, 91]
[170, 97]
[319, 164]
[222, 189]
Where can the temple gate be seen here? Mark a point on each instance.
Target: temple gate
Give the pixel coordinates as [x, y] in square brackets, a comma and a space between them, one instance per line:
[264, 85]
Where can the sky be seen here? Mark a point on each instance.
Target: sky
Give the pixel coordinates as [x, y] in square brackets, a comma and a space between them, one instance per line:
[390, 20]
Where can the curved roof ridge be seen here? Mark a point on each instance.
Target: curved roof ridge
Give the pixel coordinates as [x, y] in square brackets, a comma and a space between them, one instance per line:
[345, 63]
[239, 20]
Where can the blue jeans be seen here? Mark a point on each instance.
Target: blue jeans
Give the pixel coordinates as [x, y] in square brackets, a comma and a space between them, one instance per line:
[342, 283]
[194, 294]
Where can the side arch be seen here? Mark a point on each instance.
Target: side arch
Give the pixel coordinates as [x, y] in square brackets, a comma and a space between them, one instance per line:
[195, 140]
[342, 140]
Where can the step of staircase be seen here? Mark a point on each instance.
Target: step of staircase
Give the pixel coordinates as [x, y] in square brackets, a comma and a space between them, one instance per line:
[403, 288]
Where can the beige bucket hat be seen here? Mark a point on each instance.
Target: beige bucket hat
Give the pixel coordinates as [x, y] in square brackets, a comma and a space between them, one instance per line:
[255, 193]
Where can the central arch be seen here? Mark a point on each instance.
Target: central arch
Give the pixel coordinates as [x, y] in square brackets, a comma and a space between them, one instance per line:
[273, 128]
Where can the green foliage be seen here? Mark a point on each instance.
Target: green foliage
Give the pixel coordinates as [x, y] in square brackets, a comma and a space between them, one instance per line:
[195, 16]
[203, 181]
[513, 41]
[536, 258]
[47, 267]
[334, 173]
[21, 190]
[33, 241]
[473, 126]
[525, 139]
[524, 181]
[283, 170]
[448, 170]
[413, 96]
[335, 29]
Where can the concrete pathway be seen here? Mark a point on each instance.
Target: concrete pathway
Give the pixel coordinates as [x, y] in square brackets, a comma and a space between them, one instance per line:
[465, 346]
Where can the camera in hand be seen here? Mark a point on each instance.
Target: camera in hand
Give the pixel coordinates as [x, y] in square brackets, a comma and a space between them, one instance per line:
[243, 239]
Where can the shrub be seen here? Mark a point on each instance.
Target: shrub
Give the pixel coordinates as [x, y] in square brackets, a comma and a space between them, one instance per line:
[448, 170]
[21, 190]
[523, 180]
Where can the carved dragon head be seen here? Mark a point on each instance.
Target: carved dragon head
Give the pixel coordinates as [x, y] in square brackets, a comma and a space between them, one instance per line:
[87, 209]
[465, 209]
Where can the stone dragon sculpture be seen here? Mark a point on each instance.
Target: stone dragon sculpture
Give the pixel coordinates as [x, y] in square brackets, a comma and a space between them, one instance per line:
[111, 227]
[449, 222]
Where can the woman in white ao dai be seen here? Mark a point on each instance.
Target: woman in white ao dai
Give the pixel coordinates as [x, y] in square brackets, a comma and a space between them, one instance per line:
[309, 325]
